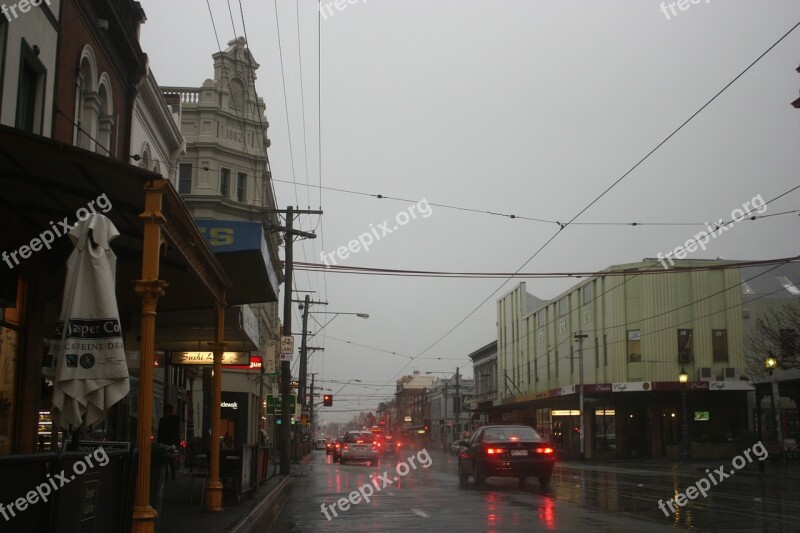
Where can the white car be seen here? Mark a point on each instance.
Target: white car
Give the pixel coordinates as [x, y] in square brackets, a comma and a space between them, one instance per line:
[320, 444]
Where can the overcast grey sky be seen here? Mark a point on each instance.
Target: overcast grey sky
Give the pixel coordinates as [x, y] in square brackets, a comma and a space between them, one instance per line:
[514, 106]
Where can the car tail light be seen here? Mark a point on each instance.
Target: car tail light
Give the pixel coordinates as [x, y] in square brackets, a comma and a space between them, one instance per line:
[494, 451]
[345, 447]
[546, 450]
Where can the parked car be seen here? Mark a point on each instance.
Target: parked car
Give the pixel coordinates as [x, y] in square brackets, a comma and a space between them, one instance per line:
[359, 446]
[506, 451]
[320, 444]
[337, 448]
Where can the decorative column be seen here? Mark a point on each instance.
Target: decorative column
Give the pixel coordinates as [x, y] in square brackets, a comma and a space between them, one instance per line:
[149, 289]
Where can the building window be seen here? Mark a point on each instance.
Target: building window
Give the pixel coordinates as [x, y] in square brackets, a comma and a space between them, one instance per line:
[685, 354]
[30, 92]
[587, 293]
[241, 187]
[185, 178]
[596, 353]
[634, 346]
[571, 359]
[224, 181]
[719, 344]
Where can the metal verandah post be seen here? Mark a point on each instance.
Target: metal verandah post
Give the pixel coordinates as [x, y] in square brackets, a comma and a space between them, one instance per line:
[150, 289]
[213, 488]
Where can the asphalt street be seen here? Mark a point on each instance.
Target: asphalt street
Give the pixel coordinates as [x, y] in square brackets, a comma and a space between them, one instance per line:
[590, 497]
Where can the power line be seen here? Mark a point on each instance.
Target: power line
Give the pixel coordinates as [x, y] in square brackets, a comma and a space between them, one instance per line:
[538, 275]
[606, 191]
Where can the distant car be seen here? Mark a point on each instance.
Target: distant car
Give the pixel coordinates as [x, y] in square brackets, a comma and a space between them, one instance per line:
[320, 444]
[506, 451]
[329, 446]
[337, 448]
[359, 446]
[389, 445]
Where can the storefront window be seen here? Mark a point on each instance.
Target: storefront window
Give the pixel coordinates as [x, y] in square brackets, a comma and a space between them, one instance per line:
[604, 430]
[10, 326]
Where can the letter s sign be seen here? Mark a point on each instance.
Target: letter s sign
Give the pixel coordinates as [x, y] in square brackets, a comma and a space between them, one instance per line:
[221, 237]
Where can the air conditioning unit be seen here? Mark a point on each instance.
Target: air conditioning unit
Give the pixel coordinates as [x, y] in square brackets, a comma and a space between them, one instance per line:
[704, 373]
[730, 374]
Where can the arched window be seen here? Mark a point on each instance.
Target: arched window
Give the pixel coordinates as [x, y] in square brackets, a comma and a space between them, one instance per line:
[85, 96]
[237, 96]
[145, 156]
[105, 115]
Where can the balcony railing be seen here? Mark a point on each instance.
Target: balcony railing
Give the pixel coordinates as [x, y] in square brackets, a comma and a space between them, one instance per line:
[188, 95]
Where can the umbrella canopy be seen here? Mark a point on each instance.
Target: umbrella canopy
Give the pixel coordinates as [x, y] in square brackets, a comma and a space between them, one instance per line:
[87, 358]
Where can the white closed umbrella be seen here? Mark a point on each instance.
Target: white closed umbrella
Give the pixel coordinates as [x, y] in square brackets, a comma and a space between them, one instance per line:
[88, 362]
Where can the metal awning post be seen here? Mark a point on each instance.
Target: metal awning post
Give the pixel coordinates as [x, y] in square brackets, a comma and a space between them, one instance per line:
[150, 289]
[213, 498]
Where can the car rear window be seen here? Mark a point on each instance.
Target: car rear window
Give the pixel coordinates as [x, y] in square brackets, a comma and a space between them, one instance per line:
[511, 434]
[363, 437]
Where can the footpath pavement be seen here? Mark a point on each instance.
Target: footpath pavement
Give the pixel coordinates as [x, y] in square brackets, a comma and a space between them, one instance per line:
[178, 513]
[789, 470]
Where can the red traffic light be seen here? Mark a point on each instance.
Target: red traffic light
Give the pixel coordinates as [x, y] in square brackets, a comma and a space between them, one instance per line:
[327, 400]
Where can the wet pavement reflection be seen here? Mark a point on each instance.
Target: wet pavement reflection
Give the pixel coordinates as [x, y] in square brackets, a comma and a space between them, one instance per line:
[582, 497]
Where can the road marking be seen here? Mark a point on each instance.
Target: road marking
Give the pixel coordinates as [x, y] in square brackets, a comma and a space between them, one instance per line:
[423, 514]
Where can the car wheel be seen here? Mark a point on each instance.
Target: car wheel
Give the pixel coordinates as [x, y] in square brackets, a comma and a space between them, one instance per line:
[480, 475]
[544, 480]
[463, 477]
[341, 460]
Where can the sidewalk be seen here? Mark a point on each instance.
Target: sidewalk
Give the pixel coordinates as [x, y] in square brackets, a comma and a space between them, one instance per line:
[790, 470]
[178, 514]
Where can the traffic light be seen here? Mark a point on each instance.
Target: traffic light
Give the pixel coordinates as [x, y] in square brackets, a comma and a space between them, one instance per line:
[327, 400]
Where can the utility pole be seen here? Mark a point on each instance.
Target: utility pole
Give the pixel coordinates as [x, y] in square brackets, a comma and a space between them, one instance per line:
[457, 402]
[579, 337]
[303, 356]
[304, 350]
[286, 369]
[445, 432]
[311, 412]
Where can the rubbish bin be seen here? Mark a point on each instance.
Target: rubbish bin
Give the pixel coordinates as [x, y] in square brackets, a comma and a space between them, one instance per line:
[160, 457]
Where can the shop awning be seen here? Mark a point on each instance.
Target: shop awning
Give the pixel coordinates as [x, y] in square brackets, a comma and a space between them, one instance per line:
[46, 183]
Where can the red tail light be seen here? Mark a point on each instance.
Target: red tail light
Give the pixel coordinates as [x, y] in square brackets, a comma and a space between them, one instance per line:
[494, 451]
[345, 447]
[547, 450]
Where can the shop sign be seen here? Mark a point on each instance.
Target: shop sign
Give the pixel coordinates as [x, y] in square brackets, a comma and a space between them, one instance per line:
[632, 386]
[207, 358]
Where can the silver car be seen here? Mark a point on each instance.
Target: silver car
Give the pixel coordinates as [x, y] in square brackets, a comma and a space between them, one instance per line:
[359, 446]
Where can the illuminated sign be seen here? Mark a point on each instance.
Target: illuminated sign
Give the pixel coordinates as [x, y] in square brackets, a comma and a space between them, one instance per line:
[207, 358]
[255, 364]
[229, 405]
[702, 416]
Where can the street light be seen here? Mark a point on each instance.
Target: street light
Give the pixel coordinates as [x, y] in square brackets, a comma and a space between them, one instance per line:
[359, 315]
[686, 453]
[771, 363]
